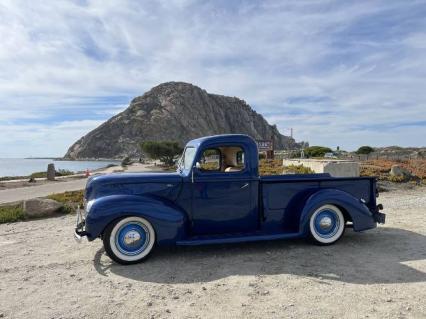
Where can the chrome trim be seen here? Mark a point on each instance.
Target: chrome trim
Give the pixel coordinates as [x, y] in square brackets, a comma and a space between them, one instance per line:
[77, 237]
[131, 237]
[325, 222]
[79, 231]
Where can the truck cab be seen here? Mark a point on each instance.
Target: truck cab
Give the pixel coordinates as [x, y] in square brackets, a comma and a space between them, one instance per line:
[217, 196]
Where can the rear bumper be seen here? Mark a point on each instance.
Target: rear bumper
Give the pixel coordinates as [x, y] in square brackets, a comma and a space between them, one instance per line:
[378, 216]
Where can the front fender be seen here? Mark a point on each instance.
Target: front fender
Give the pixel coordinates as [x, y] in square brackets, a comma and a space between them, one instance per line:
[168, 220]
[361, 216]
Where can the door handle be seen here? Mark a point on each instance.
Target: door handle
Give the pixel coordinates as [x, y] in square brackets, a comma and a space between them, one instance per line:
[244, 186]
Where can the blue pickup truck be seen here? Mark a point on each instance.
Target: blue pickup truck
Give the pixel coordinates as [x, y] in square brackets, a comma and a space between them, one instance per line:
[217, 196]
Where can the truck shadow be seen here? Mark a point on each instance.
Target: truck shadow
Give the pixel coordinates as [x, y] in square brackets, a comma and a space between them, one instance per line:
[384, 255]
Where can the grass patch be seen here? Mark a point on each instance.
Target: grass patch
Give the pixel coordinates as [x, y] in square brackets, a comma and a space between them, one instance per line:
[72, 197]
[10, 214]
[39, 175]
[275, 167]
[71, 200]
[64, 172]
[60, 172]
[11, 178]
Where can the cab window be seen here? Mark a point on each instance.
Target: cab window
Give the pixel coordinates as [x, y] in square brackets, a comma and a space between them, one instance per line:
[226, 159]
[210, 160]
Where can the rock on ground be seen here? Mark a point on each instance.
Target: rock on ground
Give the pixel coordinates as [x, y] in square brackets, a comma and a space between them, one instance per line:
[399, 171]
[40, 207]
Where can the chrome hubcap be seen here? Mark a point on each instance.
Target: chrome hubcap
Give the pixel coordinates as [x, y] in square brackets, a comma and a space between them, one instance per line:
[325, 222]
[131, 237]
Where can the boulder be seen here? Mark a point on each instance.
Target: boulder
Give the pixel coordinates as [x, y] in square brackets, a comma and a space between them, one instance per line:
[399, 171]
[41, 207]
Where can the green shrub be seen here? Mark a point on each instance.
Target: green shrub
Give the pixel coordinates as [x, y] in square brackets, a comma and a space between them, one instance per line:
[39, 175]
[365, 150]
[397, 179]
[68, 208]
[9, 214]
[317, 151]
[64, 172]
[164, 151]
[270, 167]
[298, 169]
[126, 161]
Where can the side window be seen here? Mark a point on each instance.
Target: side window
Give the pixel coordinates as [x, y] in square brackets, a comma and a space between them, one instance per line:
[188, 157]
[211, 160]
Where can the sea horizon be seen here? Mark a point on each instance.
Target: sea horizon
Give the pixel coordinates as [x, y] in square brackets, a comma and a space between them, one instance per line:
[10, 167]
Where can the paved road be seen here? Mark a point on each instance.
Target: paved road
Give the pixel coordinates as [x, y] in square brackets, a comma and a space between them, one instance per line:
[24, 193]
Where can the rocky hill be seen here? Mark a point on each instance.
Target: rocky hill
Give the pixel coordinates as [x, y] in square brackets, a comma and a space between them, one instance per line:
[174, 111]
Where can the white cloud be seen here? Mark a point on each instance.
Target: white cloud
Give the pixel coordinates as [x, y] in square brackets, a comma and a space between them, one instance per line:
[366, 58]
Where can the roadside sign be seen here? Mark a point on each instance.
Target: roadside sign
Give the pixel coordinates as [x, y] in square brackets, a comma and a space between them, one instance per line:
[265, 145]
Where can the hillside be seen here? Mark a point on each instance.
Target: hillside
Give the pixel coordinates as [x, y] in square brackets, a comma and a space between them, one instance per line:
[174, 111]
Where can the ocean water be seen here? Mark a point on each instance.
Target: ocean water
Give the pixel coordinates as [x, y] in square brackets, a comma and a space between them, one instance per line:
[25, 167]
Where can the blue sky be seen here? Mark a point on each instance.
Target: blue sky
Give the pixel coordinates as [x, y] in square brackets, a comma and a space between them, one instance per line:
[345, 73]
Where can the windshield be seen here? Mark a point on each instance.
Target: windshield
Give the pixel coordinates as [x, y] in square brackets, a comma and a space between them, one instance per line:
[187, 158]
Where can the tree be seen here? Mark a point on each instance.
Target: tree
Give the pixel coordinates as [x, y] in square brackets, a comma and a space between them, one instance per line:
[365, 150]
[317, 151]
[165, 151]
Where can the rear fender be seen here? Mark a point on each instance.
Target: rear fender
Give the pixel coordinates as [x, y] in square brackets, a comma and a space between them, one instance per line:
[361, 216]
[168, 220]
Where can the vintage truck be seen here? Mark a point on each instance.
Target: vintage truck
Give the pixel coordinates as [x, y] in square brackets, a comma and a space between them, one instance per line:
[217, 196]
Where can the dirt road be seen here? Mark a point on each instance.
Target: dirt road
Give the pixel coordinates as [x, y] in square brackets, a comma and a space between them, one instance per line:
[377, 274]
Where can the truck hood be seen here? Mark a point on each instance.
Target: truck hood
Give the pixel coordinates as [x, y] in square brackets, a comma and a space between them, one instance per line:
[166, 185]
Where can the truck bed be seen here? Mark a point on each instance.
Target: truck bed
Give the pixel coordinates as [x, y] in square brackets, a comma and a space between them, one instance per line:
[286, 194]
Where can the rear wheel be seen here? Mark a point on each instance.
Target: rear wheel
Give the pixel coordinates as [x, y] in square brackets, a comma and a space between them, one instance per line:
[326, 225]
[129, 240]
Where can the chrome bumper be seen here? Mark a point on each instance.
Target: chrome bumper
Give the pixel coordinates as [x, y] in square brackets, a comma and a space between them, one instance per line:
[80, 231]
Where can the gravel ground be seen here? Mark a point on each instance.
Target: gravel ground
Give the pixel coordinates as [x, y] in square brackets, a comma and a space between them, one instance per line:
[377, 274]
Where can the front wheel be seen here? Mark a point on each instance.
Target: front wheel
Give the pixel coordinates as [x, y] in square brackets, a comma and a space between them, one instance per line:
[326, 225]
[129, 240]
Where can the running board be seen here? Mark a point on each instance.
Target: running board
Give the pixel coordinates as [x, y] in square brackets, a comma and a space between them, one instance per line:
[238, 239]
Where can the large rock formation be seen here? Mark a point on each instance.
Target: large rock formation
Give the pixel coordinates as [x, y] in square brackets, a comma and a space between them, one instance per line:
[174, 111]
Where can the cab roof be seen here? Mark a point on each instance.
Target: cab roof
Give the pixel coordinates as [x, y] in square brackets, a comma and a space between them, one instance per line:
[222, 138]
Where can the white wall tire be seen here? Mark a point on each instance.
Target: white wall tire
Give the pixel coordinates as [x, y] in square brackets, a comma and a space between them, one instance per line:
[129, 240]
[326, 225]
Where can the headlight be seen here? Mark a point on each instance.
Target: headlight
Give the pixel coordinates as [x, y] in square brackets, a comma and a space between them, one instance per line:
[89, 205]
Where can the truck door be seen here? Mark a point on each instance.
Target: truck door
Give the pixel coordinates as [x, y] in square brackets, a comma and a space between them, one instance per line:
[224, 195]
